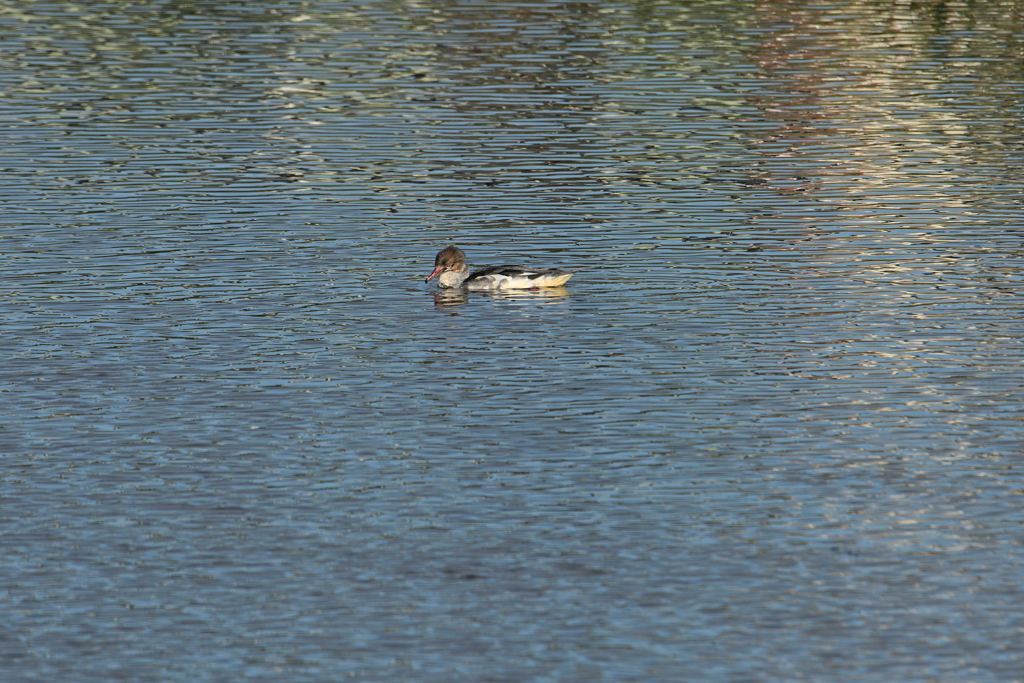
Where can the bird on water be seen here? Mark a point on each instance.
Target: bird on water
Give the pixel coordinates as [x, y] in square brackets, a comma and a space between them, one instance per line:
[450, 264]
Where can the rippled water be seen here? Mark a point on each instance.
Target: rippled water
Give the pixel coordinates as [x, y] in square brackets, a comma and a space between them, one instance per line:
[769, 431]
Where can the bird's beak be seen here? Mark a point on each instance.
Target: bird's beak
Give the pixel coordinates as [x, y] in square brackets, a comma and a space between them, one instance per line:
[437, 271]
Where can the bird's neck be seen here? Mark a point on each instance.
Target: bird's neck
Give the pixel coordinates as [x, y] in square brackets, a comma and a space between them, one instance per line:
[454, 278]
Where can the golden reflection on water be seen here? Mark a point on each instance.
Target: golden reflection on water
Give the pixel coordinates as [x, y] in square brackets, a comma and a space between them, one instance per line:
[874, 126]
[870, 99]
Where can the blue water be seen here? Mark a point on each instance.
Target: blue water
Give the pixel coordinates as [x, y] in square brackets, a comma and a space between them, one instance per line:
[769, 431]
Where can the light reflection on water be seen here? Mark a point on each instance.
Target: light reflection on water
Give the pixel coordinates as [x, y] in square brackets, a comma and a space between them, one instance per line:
[767, 431]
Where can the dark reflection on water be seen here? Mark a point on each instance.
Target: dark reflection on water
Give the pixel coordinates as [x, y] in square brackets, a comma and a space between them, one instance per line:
[767, 432]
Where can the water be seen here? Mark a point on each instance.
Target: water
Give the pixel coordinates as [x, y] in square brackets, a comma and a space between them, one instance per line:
[769, 431]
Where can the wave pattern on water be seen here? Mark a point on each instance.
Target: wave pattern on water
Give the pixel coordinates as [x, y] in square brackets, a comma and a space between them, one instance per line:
[768, 431]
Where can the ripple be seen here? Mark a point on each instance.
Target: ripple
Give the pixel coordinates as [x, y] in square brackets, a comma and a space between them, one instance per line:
[775, 411]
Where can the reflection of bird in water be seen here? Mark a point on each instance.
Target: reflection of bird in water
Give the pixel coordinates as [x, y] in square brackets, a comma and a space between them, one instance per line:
[450, 297]
[450, 264]
[456, 296]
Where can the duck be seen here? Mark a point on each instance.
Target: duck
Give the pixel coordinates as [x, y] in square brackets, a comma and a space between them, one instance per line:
[450, 264]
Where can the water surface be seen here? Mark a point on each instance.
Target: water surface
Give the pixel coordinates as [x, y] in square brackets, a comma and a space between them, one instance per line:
[769, 431]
